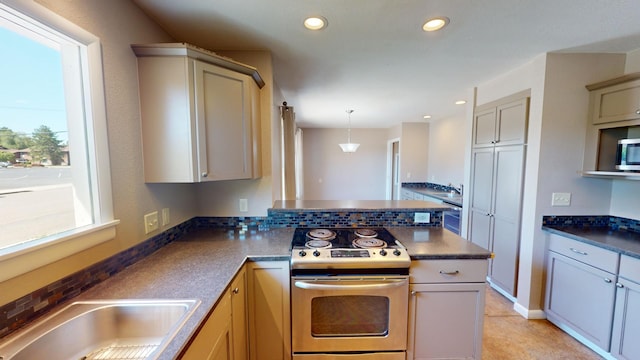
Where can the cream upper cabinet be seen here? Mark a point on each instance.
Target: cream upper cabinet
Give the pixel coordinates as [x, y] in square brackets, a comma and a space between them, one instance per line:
[501, 124]
[615, 100]
[200, 116]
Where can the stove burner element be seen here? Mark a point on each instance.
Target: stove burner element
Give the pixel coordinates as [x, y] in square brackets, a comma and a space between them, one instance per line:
[321, 234]
[366, 233]
[367, 243]
[317, 244]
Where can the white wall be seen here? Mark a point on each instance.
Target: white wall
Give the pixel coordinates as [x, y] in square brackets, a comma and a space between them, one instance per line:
[556, 132]
[414, 151]
[330, 174]
[447, 141]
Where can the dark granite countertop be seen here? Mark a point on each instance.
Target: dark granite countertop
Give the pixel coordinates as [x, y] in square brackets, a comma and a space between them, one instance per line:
[202, 264]
[620, 241]
[448, 197]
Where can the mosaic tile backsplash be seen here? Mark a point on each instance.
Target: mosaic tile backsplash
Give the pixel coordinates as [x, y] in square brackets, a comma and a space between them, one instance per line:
[612, 222]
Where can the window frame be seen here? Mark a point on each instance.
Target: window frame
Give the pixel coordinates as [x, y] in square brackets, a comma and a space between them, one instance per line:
[22, 258]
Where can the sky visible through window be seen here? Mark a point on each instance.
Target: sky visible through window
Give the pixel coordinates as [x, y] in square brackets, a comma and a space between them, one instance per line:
[31, 86]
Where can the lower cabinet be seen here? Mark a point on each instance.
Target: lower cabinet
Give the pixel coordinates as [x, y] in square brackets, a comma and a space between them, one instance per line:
[626, 322]
[239, 318]
[269, 310]
[215, 339]
[581, 290]
[446, 309]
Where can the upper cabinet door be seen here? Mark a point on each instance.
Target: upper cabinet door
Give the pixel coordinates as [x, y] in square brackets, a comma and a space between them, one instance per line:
[223, 112]
[512, 122]
[617, 102]
[484, 129]
[503, 124]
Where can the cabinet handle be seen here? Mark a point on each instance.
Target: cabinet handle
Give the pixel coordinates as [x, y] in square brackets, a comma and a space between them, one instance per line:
[638, 111]
[607, 280]
[205, 174]
[578, 251]
[456, 272]
[414, 293]
[236, 291]
[619, 285]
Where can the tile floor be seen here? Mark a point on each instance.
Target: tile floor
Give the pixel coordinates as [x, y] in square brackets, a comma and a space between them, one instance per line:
[509, 336]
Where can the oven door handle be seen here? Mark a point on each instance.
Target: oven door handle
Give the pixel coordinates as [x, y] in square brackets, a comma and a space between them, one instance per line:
[379, 286]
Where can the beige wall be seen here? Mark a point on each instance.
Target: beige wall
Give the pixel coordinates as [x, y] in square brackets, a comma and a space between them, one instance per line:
[118, 23]
[414, 152]
[447, 141]
[330, 174]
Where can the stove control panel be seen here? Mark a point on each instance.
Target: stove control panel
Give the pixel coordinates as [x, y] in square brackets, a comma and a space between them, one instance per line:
[349, 258]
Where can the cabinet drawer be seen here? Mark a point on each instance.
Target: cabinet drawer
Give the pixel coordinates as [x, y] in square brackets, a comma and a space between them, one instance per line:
[448, 271]
[606, 260]
[630, 268]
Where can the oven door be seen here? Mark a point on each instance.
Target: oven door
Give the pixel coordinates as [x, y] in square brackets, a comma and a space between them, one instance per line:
[349, 314]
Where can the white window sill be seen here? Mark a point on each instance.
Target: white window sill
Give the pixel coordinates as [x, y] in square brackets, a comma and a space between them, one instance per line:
[22, 258]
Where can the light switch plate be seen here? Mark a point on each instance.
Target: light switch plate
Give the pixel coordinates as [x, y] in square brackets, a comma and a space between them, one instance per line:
[560, 199]
[150, 222]
[244, 205]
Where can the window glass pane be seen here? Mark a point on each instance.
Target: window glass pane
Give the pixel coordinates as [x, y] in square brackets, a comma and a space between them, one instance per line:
[37, 194]
[352, 315]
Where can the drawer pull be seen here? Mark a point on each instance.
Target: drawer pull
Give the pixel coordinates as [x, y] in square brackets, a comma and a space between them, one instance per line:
[236, 291]
[455, 272]
[619, 285]
[607, 280]
[578, 251]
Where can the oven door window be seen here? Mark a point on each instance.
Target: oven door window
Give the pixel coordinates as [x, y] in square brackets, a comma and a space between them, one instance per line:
[350, 315]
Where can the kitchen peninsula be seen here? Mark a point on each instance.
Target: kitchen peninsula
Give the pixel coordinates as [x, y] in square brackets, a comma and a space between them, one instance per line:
[201, 263]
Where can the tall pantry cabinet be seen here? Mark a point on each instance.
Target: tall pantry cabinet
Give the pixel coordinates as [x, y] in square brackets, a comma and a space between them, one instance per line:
[497, 169]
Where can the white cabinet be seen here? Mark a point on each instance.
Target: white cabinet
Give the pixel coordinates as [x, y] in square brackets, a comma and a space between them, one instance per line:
[214, 340]
[581, 289]
[615, 100]
[200, 119]
[501, 124]
[497, 169]
[446, 309]
[494, 216]
[626, 323]
[269, 310]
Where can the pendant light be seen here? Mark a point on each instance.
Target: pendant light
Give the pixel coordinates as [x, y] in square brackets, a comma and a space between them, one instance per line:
[349, 147]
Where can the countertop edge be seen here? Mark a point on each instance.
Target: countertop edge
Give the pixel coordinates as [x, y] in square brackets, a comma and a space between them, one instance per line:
[586, 240]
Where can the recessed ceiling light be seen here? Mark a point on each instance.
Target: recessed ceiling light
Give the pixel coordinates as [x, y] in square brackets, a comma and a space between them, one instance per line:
[435, 24]
[315, 23]
[461, 102]
[427, 117]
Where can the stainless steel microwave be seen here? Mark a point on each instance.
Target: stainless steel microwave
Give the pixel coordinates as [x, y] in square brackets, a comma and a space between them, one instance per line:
[628, 155]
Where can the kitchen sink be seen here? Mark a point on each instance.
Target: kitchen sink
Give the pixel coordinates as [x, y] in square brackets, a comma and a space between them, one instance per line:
[111, 329]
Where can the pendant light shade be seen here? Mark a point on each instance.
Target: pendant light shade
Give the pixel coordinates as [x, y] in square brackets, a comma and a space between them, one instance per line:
[349, 147]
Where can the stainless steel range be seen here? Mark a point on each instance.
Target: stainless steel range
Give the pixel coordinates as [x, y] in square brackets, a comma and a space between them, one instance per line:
[349, 294]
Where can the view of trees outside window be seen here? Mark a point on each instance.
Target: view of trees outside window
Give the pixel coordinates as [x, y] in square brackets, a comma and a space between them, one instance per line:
[36, 192]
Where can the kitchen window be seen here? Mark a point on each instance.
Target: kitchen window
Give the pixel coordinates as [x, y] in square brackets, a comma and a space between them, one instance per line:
[55, 186]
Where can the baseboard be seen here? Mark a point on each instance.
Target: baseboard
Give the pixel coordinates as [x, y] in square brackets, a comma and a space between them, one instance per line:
[523, 311]
[529, 314]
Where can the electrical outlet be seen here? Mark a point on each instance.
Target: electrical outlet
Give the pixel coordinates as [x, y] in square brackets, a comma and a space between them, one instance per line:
[244, 205]
[422, 218]
[166, 217]
[150, 222]
[560, 199]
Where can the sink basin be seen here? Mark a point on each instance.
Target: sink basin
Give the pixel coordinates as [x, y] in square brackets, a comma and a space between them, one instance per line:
[113, 329]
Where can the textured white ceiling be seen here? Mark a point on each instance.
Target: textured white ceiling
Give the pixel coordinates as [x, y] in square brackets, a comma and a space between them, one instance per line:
[374, 58]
